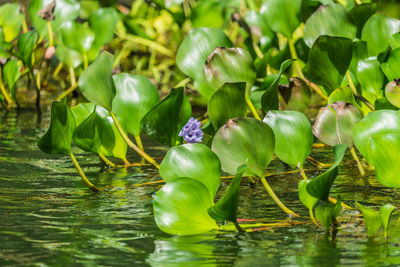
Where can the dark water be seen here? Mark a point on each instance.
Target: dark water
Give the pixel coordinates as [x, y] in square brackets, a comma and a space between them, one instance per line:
[48, 217]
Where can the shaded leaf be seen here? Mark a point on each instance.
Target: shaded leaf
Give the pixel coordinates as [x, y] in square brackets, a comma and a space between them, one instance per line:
[26, 44]
[11, 75]
[372, 219]
[385, 214]
[103, 23]
[308, 200]
[392, 65]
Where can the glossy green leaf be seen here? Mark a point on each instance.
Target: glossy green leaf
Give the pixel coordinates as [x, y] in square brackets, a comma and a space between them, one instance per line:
[295, 96]
[383, 153]
[82, 111]
[244, 141]
[392, 92]
[103, 23]
[378, 31]
[385, 214]
[343, 94]
[391, 67]
[293, 136]
[26, 44]
[226, 103]
[327, 213]
[11, 75]
[383, 103]
[68, 56]
[360, 15]
[58, 138]
[375, 123]
[194, 50]
[77, 36]
[86, 135]
[328, 61]
[260, 29]
[180, 208]
[164, 121]
[96, 82]
[320, 186]
[207, 14]
[334, 123]
[372, 219]
[135, 96]
[269, 100]
[195, 161]
[282, 15]
[226, 208]
[231, 65]
[308, 200]
[10, 21]
[371, 78]
[332, 20]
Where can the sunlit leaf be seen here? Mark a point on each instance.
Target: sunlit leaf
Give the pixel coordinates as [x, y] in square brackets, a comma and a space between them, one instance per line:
[392, 92]
[195, 161]
[135, 96]
[293, 136]
[226, 103]
[371, 78]
[385, 214]
[392, 65]
[11, 75]
[10, 21]
[308, 200]
[103, 23]
[26, 44]
[68, 56]
[58, 138]
[180, 208]
[244, 141]
[372, 219]
[327, 213]
[77, 36]
[320, 186]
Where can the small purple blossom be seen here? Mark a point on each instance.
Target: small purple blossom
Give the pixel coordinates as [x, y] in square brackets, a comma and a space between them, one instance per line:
[191, 132]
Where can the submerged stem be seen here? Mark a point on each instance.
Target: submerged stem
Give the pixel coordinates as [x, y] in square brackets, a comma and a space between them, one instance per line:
[360, 167]
[82, 174]
[276, 199]
[131, 144]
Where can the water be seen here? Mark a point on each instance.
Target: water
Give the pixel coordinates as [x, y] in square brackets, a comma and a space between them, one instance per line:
[48, 217]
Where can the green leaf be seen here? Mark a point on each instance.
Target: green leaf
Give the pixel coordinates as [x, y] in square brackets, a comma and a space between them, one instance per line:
[334, 123]
[96, 82]
[82, 111]
[332, 20]
[207, 14]
[10, 21]
[392, 92]
[360, 14]
[378, 31]
[26, 44]
[383, 103]
[371, 78]
[226, 103]
[320, 186]
[195, 161]
[375, 123]
[328, 61]
[343, 94]
[77, 36]
[295, 96]
[229, 65]
[180, 208]
[103, 23]
[58, 138]
[267, 37]
[293, 136]
[385, 214]
[392, 65]
[269, 100]
[226, 208]
[86, 134]
[68, 56]
[135, 96]
[244, 141]
[164, 121]
[11, 75]
[371, 218]
[308, 200]
[194, 50]
[327, 212]
[282, 15]
[383, 153]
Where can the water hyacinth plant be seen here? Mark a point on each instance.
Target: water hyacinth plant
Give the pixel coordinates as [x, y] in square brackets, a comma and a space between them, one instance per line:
[230, 86]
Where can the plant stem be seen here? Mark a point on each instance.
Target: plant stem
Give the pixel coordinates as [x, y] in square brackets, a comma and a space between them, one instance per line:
[50, 30]
[333, 200]
[67, 92]
[85, 60]
[146, 42]
[131, 144]
[72, 76]
[310, 211]
[360, 167]
[318, 163]
[276, 199]
[3, 90]
[251, 106]
[303, 174]
[355, 92]
[82, 174]
[58, 69]
[106, 160]
[238, 227]
[139, 142]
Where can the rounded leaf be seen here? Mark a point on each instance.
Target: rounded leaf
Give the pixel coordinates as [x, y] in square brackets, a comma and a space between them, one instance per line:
[77, 36]
[194, 161]
[296, 96]
[293, 136]
[103, 22]
[244, 141]
[392, 92]
[180, 208]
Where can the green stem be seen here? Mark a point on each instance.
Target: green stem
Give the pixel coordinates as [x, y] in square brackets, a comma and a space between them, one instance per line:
[106, 160]
[82, 174]
[85, 60]
[3, 89]
[238, 227]
[58, 69]
[50, 30]
[139, 142]
[310, 211]
[355, 92]
[131, 144]
[334, 201]
[303, 174]
[251, 106]
[360, 167]
[149, 43]
[67, 92]
[72, 76]
[276, 199]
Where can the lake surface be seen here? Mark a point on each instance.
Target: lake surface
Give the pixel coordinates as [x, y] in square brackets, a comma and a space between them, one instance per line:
[49, 218]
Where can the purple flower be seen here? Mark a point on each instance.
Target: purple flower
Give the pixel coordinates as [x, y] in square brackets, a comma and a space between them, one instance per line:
[191, 132]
